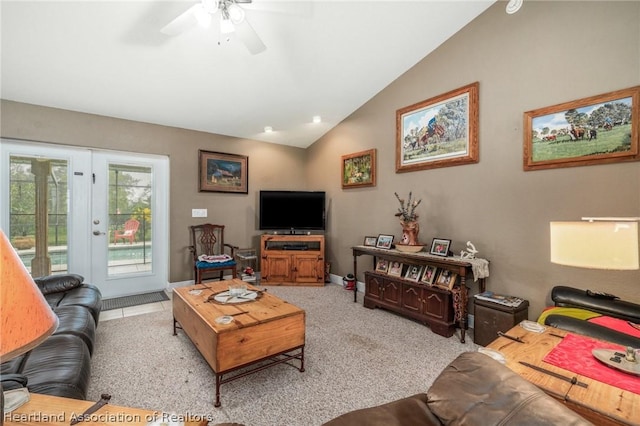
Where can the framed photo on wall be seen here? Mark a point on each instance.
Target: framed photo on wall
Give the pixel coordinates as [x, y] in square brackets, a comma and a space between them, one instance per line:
[220, 172]
[439, 132]
[596, 130]
[359, 169]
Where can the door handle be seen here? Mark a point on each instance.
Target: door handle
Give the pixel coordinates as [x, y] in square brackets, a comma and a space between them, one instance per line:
[98, 233]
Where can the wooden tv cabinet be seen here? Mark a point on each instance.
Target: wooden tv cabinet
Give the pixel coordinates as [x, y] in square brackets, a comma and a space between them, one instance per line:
[292, 260]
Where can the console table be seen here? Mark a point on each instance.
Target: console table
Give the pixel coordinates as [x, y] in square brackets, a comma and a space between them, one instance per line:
[462, 267]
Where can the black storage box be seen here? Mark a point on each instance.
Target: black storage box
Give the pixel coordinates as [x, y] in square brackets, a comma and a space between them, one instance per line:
[490, 317]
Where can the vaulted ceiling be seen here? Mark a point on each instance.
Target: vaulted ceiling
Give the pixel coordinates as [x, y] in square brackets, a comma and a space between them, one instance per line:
[324, 58]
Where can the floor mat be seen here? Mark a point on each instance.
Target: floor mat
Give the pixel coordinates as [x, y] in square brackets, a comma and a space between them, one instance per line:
[136, 299]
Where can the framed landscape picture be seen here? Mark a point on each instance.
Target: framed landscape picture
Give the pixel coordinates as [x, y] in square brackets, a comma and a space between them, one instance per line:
[359, 169]
[596, 130]
[220, 172]
[439, 132]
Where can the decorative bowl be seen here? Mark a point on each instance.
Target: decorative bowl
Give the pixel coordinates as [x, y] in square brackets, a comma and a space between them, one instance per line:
[409, 249]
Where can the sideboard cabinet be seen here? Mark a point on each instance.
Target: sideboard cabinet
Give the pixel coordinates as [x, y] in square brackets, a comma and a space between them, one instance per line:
[443, 309]
[430, 305]
[292, 259]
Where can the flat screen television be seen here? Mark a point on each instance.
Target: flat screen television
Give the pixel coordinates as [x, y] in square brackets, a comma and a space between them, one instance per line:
[292, 210]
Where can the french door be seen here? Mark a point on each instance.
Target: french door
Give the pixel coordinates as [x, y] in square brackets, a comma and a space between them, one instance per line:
[100, 214]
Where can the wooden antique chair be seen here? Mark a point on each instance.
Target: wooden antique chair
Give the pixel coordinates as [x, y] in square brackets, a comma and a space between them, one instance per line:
[128, 233]
[209, 252]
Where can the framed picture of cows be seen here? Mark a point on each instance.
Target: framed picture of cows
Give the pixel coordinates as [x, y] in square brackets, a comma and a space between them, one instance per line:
[595, 130]
[438, 132]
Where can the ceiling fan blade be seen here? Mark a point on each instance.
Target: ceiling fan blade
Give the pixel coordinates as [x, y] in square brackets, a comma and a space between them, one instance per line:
[183, 22]
[249, 37]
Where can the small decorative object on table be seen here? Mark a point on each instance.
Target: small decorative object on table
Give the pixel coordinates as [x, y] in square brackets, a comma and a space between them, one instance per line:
[409, 222]
[470, 253]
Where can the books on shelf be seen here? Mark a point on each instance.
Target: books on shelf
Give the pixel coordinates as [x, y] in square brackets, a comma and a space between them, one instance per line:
[490, 296]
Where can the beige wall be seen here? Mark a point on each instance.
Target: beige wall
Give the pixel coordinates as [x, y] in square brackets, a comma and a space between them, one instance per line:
[270, 167]
[548, 53]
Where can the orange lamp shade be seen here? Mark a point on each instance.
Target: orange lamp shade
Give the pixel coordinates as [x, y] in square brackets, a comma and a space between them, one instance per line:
[26, 319]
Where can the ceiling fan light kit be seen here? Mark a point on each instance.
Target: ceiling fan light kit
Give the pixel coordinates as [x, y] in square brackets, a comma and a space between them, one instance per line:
[232, 19]
[513, 6]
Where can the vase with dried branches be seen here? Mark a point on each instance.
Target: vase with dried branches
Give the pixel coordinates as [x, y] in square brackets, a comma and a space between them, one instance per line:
[408, 220]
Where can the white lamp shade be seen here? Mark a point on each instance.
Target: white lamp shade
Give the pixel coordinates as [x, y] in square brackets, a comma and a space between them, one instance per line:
[596, 245]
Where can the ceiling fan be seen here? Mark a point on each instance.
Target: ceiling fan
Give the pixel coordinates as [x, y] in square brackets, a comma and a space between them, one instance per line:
[232, 20]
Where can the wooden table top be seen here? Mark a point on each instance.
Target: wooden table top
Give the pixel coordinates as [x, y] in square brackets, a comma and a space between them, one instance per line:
[622, 407]
[266, 307]
[54, 410]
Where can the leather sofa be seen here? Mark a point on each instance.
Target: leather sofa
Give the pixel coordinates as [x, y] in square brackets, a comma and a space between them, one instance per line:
[596, 303]
[61, 365]
[473, 389]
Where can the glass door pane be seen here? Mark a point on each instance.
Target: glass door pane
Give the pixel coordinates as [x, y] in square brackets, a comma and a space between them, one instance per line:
[130, 218]
[38, 204]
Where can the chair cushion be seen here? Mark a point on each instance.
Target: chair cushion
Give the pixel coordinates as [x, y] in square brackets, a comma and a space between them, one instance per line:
[207, 265]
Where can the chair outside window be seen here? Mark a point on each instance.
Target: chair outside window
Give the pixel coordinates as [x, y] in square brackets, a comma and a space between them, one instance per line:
[128, 233]
[211, 256]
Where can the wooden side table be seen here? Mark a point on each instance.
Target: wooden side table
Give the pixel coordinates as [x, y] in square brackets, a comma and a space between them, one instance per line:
[55, 410]
[599, 402]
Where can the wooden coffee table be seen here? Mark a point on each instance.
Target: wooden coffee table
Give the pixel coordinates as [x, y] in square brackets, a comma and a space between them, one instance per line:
[599, 402]
[266, 329]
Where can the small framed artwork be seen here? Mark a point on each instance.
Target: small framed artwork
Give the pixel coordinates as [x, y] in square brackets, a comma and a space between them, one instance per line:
[359, 169]
[446, 279]
[440, 247]
[596, 130]
[429, 274]
[220, 172]
[382, 266]
[439, 132]
[395, 269]
[384, 241]
[370, 241]
[413, 272]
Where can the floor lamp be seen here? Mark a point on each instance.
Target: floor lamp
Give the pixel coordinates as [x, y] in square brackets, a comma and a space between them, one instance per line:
[600, 243]
[26, 319]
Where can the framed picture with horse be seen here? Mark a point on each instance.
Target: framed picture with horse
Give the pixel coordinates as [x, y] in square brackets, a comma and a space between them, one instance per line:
[595, 130]
[439, 132]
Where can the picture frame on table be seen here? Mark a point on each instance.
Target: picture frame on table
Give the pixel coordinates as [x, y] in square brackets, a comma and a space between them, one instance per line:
[370, 241]
[446, 279]
[414, 272]
[598, 129]
[221, 172]
[429, 274]
[439, 132]
[382, 265]
[395, 269]
[359, 169]
[440, 247]
[384, 241]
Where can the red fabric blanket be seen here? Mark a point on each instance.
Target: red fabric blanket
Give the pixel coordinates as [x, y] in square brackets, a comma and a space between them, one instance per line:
[574, 354]
[616, 324]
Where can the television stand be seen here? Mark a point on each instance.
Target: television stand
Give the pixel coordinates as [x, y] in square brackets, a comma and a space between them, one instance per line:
[292, 260]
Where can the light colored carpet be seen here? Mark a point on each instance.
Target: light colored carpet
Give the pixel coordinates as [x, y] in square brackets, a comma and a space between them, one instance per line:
[354, 357]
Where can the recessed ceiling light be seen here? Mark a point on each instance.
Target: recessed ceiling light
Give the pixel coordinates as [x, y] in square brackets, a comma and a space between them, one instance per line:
[317, 119]
[268, 129]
